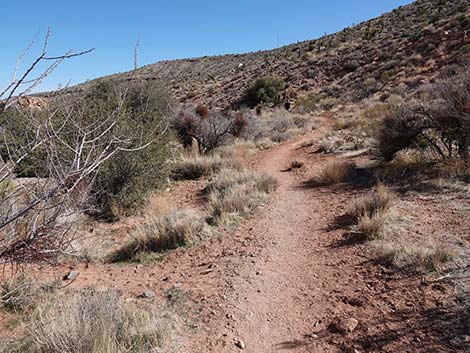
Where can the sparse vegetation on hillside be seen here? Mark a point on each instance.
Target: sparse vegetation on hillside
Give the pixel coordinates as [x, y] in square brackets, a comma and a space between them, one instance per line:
[392, 54]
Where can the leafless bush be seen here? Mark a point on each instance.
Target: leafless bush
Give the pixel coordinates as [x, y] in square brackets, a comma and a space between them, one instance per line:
[210, 131]
[440, 123]
[63, 154]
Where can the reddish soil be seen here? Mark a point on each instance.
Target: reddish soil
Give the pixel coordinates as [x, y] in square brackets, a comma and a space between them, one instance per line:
[283, 278]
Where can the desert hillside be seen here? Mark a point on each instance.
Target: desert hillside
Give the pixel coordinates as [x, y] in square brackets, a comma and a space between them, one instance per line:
[393, 53]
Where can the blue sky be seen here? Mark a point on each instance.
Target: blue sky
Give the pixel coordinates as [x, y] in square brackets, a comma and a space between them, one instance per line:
[167, 29]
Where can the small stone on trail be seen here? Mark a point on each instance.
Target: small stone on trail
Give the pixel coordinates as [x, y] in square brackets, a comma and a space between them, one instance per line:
[71, 276]
[147, 294]
[346, 325]
[240, 344]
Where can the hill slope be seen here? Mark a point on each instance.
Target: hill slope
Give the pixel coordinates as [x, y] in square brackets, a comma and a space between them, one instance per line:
[393, 53]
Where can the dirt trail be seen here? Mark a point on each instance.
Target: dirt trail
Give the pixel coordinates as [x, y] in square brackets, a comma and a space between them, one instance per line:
[278, 296]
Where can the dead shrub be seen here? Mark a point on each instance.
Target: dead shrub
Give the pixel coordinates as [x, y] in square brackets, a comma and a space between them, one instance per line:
[210, 132]
[159, 234]
[96, 322]
[334, 172]
[439, 123]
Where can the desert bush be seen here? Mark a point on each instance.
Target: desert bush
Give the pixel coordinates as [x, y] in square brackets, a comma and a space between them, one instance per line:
[238, 192]
[440, 123]
[307, 104]
[344, 123]
[97, 322]
[414, 257]
[379, 201]
[264, 143]
[195, 167]
[162, 233]
[211, 131]
[334, 172]
[279, 137]
[267, 90]
[123, 183]
[277, 126]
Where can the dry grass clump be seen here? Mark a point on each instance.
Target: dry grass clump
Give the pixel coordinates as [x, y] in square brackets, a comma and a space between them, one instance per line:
[195, 167]
[20, 293]
[334, 172]
[415, 257]
[371, 226]
[177, 228]
[238, 192]
[264, 143]
[238, 149]
[94, 322]
[378, 201]
[371, 212]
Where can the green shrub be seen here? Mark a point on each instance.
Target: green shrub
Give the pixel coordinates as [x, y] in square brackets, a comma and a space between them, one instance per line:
[124, 181]
[267, 90]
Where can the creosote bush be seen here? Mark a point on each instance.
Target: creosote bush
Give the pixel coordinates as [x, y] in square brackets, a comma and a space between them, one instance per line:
[90, 321]
[266, 90]
[124, 182]
[162, 233]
